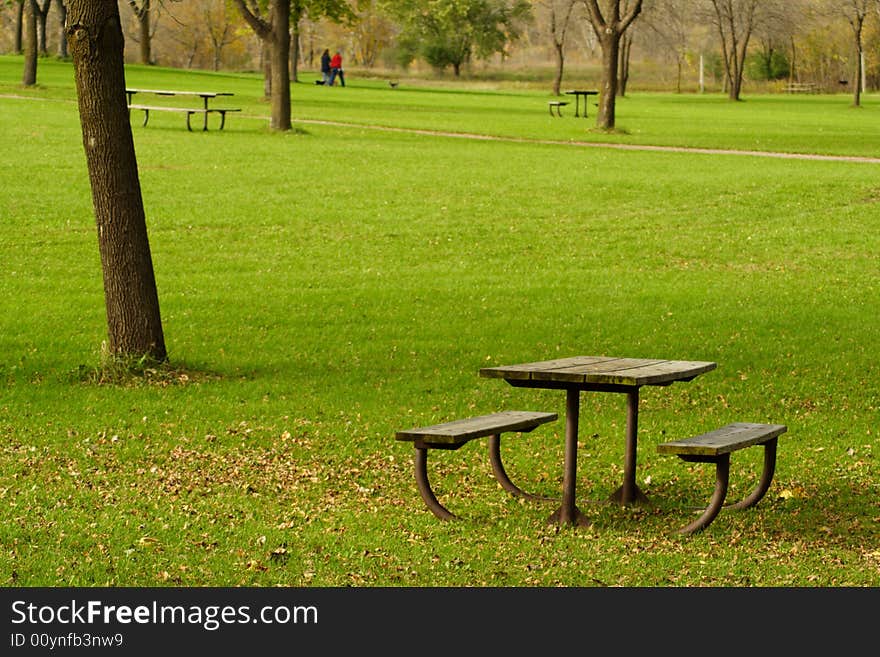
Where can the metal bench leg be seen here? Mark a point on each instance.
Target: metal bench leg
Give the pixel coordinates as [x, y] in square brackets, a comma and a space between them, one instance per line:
[722, 478]
[188, 126]
[146, 117]
[501, 474]
[222, 119]
[425, 486]
[766, 478]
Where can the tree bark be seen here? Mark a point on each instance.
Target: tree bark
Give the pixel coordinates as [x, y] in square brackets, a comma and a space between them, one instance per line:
[274, 35]
[42, 15]
[62, 19]
[280, 66]
[294, 51]
[96, 42]
[609, 30]
[29, 74]
[19, 22]
[142, 14]
[623, 64]
[146, 46]
[608, 96]
[560, 65]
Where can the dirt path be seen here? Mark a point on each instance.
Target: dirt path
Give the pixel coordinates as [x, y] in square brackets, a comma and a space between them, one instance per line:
[590, 144]
[582, 144]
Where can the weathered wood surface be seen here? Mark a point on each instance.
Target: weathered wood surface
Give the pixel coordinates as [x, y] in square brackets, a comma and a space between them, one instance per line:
[602, 370]
[165, 108]
[730, 438]
[461, 431]
[170, 92]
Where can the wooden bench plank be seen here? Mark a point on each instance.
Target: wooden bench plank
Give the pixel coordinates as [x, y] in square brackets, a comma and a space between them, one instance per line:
[165, 108]
[558, 104]
[730, 438]
[454, 434]
[716, 447]
[460, 431]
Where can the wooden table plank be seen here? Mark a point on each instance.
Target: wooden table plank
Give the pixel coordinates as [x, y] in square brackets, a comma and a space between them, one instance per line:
[602, 370]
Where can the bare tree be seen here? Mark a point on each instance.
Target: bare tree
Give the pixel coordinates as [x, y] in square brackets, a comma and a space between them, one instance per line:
[95, 40]
[735, 20]
[142, 12]
[62, 19]
[274, 33]
[42, 14]
[856, 11]
[221, 30]
[609, 23]
[558, 16]
[371, 32]
[670, 22]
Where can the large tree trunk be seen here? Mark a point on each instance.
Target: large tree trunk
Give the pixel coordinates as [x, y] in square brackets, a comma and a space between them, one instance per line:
[96, 42]
[29, 74]
[610, 28]
[274, 34]
[280, 66]
[608, 95]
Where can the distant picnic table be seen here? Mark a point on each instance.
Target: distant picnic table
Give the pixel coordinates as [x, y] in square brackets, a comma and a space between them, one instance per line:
[577, 93]
[206, 97]
[801, 88]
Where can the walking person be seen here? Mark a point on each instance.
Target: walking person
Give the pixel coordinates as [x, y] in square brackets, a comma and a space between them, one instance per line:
[336, 69]
[325, 67]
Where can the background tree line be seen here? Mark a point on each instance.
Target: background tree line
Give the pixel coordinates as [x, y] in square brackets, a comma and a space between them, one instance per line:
[806, 40]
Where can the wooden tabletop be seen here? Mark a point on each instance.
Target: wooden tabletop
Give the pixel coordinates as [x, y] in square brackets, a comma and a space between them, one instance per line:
[170, 92]
[599, 370]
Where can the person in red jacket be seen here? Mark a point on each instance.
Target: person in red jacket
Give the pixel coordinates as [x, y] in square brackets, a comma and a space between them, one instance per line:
[336, 69]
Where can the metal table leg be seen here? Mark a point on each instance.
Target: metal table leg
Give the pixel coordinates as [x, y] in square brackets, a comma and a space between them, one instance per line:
[629, 492]
[568, 513]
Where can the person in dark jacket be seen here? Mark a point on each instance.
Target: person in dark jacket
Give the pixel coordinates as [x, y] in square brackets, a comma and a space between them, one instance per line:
[325, 67]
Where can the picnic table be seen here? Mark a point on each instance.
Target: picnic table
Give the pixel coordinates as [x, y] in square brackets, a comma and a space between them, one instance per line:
[598, 374]
[577, 93]
[205, 109]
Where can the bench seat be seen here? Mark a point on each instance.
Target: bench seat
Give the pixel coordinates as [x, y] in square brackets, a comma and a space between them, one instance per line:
[716, 447]
[556, 104]
[453, 435]
[189, 112]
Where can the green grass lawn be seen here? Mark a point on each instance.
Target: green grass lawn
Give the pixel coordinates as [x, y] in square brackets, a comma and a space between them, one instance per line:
[323, 288]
